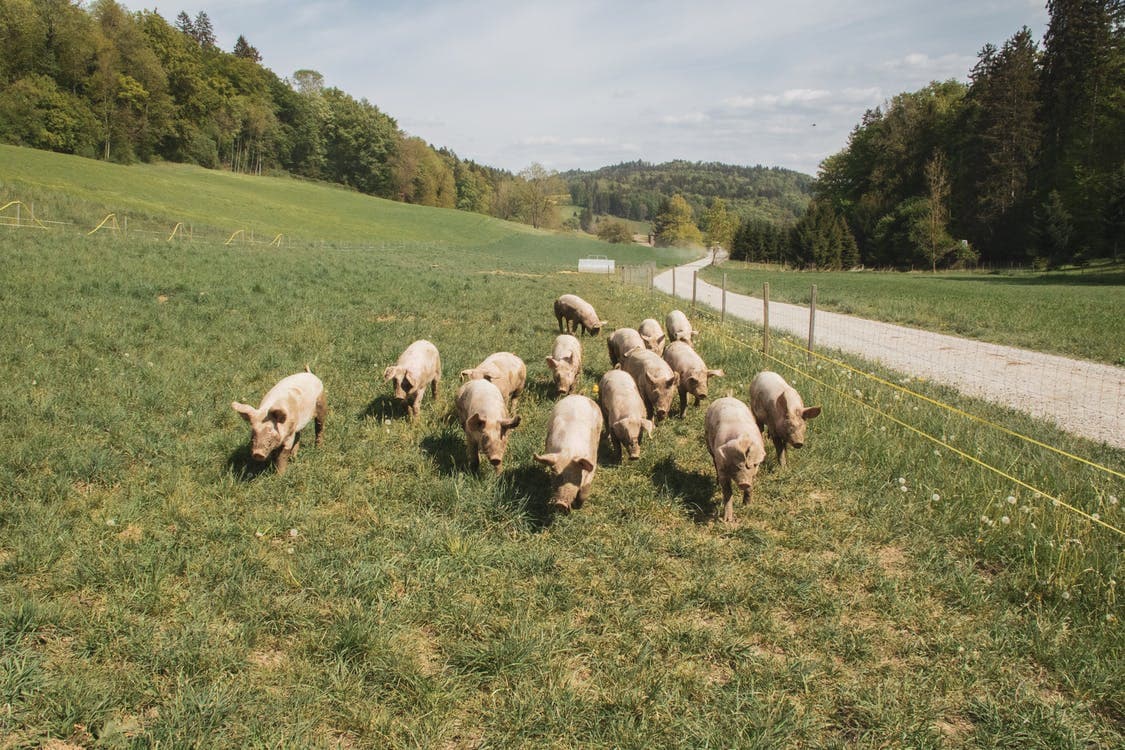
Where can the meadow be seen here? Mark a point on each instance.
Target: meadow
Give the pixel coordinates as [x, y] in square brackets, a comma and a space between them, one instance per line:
[159, 588]
[1075, 313]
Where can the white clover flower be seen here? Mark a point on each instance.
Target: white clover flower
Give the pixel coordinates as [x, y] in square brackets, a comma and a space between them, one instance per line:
[1066, 595]
[935, 497]
[1056, 503]
[1025, 509]
[110, 522]
[386, 421]
[1113, 499]
[902, 480]
[1011, 500]
[293, 533]
[904, 488]
[1005, 520]
[1095, 516]
[289, 550]
[984, 519]
[259, 534]
[858, 393]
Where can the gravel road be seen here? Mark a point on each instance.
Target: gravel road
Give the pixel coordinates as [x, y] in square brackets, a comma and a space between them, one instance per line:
[1085, 398]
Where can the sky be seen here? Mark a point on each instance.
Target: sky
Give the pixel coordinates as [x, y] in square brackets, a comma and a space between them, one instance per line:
[585, 84]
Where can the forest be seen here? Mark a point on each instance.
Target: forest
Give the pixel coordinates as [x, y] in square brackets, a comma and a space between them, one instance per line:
[103, 82]
[635, 190]
[1023, 165]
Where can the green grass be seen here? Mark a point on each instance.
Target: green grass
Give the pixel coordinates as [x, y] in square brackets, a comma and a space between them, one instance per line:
[156, 587]
[1075, 313]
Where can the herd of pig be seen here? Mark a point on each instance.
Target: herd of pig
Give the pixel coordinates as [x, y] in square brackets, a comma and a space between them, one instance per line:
[650, 366]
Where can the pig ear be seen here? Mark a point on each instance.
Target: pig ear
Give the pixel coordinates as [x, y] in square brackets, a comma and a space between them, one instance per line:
[731, 451]
[812, 411]
[672, 380]
[552, 363]
[648, 426]
[465, 374]
[510, 424]
[602, 323]
[246, 410]
[547, 459]
[585, 463]
[278, 415]
[389, 372]
[569, 358]
[716, 373]
[660, 338]
[782, 403]
[474, 422]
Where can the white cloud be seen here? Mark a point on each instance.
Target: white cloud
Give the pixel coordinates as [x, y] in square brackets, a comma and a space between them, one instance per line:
[691, 118]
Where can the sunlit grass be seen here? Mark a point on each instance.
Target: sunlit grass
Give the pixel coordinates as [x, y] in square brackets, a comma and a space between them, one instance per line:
[1076, 313]
[156, 588]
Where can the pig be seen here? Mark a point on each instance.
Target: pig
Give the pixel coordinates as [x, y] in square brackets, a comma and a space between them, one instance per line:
[655, 380]
[679, 329]
[417, 367]
[735, 444]
[624, 412]
[692, 371]
[623, 341]
[573, 432]
[504, 370]
[779, 409]
[565, 363]
[577, 312]
[484, 418]
[275, 426]
[653, 335]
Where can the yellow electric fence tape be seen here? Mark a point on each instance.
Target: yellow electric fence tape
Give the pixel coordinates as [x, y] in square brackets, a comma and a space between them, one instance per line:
[231, 239]
[1055, 500]
[111, 218]
[176, 229]
[18, 217]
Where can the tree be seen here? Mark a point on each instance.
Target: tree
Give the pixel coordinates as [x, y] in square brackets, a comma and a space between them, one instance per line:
[184, 24]
[674, 225]
[202, 30]
[720, 224]
[539, 195]
[615, 231]
[937, 185]
[245, 50]
[308, 82]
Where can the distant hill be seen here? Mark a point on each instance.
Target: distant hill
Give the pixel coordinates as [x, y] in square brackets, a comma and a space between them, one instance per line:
[634, 190]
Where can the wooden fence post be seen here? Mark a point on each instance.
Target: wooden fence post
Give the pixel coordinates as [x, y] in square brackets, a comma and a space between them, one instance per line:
[673, 282]
[766, 318]
[812, 322]
[723, 317]
[694, 288]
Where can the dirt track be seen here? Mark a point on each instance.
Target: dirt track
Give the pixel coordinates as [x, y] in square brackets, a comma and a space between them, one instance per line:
[1085, 398]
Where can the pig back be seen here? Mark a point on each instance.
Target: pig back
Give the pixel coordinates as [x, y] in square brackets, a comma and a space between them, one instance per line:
[574, 428]
[727, 419]
[619, 397]
[480, 397]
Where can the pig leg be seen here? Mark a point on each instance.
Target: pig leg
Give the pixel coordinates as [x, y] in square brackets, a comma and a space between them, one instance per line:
[473, 453]
[319, 417]
[282, 460]
[683, 401]
[728, 501]
[779, 445]
[559, 318]
[516, 400]
[414, 404]
[434, 387]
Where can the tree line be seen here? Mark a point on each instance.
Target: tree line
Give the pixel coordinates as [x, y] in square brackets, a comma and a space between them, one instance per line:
[1024, 164]
[103, 82]
[638, 190]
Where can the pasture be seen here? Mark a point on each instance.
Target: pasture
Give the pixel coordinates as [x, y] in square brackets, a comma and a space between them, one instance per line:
[157, 587]
[1075, 313]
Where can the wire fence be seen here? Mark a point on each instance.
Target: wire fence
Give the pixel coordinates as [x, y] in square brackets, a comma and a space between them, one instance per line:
[796, 356]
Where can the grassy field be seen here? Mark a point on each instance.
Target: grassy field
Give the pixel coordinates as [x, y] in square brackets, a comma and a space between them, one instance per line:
[157, 588]
[1076, 313]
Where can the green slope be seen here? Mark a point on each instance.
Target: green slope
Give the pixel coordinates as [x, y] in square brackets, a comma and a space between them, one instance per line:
[157, 196]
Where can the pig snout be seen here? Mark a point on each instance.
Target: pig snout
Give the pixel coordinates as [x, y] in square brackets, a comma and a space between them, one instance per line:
[634, 451]
[258, 454]
[495, 461]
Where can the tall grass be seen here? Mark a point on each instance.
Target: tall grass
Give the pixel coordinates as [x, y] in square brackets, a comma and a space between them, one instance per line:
[1075, 313]
[157, 587]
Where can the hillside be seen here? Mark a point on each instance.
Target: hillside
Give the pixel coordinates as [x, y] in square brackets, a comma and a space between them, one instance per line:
[634, 190]
[214, 203]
